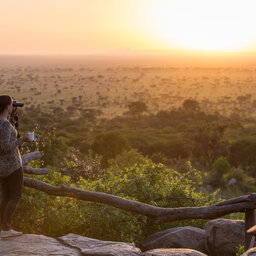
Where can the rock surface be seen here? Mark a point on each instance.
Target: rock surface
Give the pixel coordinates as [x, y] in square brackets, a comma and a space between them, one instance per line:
[231, 182]
[76, 245]
[36, 245]
[251, 252]
[173, 252]
[93, 247]
[180, 237]
[223, 236]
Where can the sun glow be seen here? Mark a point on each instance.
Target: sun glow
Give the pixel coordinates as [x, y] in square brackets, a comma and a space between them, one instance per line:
[127, 26]
[226, 25]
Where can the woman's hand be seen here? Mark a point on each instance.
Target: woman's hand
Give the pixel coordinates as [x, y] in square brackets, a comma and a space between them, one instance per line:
[26, 137]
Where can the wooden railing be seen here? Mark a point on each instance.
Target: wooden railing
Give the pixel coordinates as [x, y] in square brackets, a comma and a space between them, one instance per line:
[246, 203]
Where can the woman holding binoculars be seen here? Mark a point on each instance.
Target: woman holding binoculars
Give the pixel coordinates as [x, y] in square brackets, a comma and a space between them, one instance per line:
[11, 172]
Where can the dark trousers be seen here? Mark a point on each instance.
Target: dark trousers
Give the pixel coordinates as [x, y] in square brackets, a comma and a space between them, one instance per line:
[11, 190]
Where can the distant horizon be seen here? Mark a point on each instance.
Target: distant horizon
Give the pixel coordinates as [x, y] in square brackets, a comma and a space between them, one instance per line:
[147, 60]
[137, 53]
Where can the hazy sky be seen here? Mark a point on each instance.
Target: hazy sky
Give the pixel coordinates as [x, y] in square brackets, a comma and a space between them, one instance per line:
[126, 26]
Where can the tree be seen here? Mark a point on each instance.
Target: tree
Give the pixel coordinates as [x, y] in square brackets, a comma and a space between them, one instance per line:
[242, 151]
[221, 167]
[109, 145]
[209, 143]
[136, 108]
[190, 105]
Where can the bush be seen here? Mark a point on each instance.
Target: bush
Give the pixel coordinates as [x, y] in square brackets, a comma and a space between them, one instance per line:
[75, 165]
[109, 145]
[242, 151]
[241, 176]
[221, 167]
[127, 159]
[136, 108]
[146, 182]
[158, 158]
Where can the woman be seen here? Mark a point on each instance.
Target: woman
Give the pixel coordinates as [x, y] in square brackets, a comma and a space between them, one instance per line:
[11, 172]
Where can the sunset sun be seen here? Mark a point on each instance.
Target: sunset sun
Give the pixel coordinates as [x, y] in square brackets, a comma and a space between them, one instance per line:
[215, 26]
[129, 26]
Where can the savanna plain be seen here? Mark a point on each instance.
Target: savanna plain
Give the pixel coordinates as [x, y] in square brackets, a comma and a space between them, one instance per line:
[170, 132]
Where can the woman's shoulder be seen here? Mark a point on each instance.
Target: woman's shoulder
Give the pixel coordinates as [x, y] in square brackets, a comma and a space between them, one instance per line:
[4, 123]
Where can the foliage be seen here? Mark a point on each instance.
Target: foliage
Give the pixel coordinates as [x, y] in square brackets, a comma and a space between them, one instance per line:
[221, 167]
[109, 145]
[136, 108]
[191, 105]
[240, 250]
[242, 151]
[149, 142]
[159, 158]
[208, 142]
[145, 181]
[127, 159]
[242, 178]
[53, 148]
[171, 133]
[144, 159]
[75, 165]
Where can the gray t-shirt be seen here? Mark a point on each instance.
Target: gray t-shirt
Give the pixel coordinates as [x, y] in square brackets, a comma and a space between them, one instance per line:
[10, 158]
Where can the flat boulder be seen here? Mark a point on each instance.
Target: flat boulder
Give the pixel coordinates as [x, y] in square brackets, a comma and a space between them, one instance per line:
[173, 252]
[223, 236]
[179, 237]
[36, 245]
[94, 247]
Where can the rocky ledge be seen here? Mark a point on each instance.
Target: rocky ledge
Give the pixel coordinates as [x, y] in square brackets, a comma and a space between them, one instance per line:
[76, 245]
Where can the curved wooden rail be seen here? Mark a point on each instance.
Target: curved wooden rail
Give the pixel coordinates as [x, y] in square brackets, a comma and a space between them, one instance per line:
[246, 203]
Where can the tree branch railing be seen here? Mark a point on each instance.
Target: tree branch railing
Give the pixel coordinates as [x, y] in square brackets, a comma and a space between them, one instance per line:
[28, 158]
[246, 203]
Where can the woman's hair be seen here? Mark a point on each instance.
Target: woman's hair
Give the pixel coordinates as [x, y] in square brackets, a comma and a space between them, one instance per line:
[5, 100]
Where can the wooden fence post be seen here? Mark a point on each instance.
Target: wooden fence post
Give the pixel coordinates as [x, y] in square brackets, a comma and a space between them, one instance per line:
[249, 222]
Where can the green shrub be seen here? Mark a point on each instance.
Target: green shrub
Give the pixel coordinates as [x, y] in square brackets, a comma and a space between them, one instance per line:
[109, 145]
[242, 151]
[75, 165]
[147, 182]
[127, 159]
[221, 167]
[240, 250]
[158, 158]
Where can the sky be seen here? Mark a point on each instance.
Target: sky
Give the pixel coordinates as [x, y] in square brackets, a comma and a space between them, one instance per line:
[126, 26]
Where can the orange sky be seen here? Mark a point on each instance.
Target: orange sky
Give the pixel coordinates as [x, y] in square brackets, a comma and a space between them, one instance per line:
[126, 26]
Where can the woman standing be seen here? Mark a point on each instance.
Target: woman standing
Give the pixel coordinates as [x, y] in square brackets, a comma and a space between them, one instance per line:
[11, 172]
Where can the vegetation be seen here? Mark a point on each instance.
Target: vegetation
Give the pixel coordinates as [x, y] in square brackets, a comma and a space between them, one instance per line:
[144, 181]
[141, 141]
[240, 250]
[134, 159]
